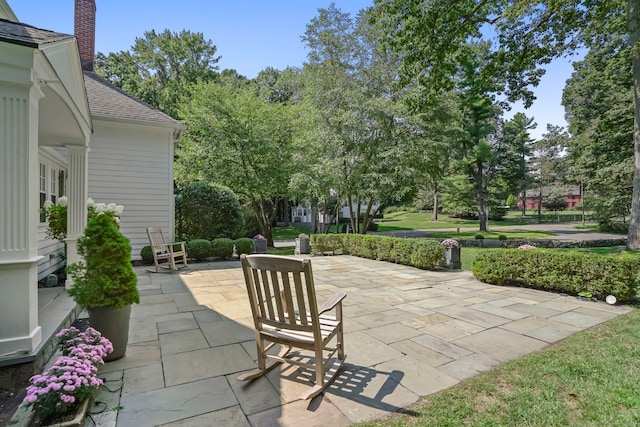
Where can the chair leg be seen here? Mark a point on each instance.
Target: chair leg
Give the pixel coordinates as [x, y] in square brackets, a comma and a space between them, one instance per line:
[264, 365]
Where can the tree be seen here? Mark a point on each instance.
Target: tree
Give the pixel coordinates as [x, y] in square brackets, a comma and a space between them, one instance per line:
[160, 67]
[239, 140]
[514, 155]
[548, 162]
[428, 37]
[348, 82]
[598, 100]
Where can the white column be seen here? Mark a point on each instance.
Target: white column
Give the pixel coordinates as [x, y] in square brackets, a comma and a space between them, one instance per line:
[77, 203]
[19, 212]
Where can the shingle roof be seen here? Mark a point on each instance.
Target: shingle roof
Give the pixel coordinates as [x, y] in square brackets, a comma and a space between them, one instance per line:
[26, 35]
[109, 101]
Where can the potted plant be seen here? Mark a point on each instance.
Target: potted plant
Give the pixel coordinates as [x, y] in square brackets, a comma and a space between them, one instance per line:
[452, 254]
[259, 244]
[105, 282]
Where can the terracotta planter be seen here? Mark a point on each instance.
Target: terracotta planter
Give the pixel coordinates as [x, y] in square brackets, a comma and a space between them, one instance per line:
[113, 325]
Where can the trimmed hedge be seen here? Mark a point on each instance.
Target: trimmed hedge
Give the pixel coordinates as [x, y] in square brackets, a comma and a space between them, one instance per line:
[421, 253]
[568, 272]
[552, 243]
[222, 248]
[244, 245]
[199, 249]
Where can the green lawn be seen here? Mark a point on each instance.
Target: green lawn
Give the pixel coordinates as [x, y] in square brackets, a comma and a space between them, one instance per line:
[471, 234]
[588, 379]
[422, 221]
[288, 233]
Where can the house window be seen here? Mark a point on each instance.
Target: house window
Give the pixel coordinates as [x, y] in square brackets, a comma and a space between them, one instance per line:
[43, 189]
[52, 182]
[54, 186]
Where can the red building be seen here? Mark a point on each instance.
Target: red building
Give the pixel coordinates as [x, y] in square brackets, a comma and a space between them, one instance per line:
[572, 196]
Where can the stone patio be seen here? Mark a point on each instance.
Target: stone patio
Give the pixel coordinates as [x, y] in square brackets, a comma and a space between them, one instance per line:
[408, 333]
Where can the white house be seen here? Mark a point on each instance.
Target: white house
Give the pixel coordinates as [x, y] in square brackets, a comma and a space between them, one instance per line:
[65, 131]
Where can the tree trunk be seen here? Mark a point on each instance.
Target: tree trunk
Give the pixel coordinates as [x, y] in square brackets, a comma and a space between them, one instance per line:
[523, 199]
[286, 212]
[482, 211]
[540, 206]
[633, 21]
[434, 217]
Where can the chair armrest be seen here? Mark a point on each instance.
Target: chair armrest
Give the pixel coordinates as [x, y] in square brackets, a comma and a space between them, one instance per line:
[170, 246]
[332, 302]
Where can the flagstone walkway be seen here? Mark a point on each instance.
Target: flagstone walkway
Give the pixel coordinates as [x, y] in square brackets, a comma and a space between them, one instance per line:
[408, 333]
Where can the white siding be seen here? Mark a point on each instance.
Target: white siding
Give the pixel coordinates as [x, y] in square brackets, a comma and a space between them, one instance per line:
[132, 165]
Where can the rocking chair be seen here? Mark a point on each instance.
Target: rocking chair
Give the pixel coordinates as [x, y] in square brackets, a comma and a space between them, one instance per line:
[285, 311]
[164, 254]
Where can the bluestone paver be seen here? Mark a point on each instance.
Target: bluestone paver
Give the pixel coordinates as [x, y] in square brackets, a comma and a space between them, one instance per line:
[408, 333]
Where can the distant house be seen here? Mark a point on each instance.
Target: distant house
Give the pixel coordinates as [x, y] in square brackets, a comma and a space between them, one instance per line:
[66, 131]
[303, 213]
[571, 195]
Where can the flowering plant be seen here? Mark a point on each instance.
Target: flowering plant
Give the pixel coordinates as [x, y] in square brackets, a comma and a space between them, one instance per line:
[88, 344]
[73, 376]
[527, 247]
[450, 243]
[56, 215]
[259, 237]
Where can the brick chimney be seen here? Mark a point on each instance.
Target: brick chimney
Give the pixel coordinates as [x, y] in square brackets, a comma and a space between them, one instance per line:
[85, 31]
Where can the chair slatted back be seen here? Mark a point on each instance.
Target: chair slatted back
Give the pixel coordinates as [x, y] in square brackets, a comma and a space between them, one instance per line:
[281, 292]
[156, 239]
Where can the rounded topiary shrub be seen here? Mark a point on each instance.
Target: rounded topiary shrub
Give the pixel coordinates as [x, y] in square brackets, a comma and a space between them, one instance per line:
[479, 237]
[244, 245]
[208, 211]
[199, 249]
[502, 237]
[106, 277]
[147, 255]
[222, 248]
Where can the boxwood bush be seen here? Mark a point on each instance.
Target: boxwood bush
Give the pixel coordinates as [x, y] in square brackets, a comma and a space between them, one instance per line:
[421, 253]
[199, 249]
[244, 245]
[222, 248]
[568, 272]
[147, 255]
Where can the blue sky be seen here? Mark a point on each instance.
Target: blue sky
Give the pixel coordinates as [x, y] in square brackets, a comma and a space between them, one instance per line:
[250, 35]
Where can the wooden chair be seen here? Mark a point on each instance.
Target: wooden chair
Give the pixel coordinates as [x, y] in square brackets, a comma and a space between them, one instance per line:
[285, 311]
[165, 252]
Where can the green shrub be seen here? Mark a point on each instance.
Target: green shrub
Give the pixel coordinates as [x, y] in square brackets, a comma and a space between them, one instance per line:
[222, 248]
[147, 255]
[569, 272]
[479, 237]
[321, 243]
[199, 249]
[497, 213]
[421, 253]
[208, 211]
[244, 245]
[106, 277]
[502, 237]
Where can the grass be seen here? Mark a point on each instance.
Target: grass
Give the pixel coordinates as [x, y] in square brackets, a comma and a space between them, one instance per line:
[588, 379]
[470, 234]
[288, 233]
[397, 221]
[288, 250]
